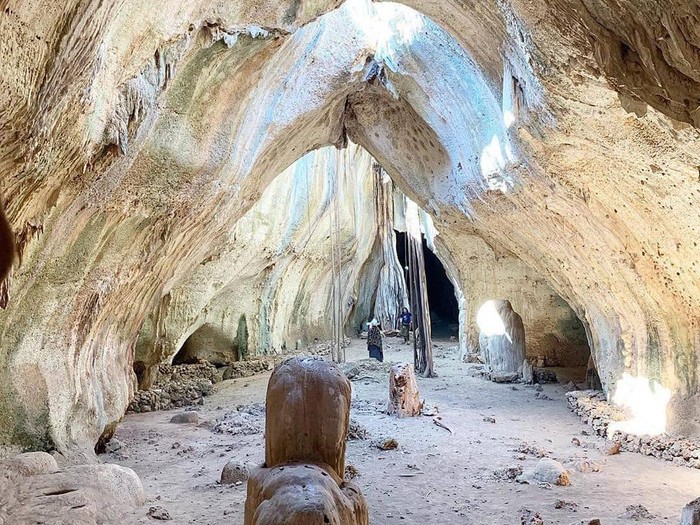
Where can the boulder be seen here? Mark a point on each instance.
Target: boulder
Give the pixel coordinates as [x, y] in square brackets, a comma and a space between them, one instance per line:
[80, 495]
[404, 398]
[233, 473]
[547, 471]
[185, 417]
[691, 513]
[30, 464]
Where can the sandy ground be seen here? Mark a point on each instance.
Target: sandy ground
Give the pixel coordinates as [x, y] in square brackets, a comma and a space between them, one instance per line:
[435, 477]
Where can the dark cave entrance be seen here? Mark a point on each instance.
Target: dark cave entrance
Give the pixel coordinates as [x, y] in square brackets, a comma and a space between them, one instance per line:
[444, 310]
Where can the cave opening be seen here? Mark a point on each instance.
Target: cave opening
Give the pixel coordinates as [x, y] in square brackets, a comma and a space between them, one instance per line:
[444, 310]
[214, 345]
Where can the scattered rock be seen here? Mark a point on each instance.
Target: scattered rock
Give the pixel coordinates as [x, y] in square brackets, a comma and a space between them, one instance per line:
[610, 448]
[185, 417]
[351, 472]
[248, 368]
[489, 419]
[562, 504]
[176, 386]
[544, 375]
[594, 409]
[570, 386]
[540, 395]
[531, 450]
[576, 441]
[529, 517]
[387, 444]
[233, 473]
[585, 466]
[356, 431]
[364, 367]
[508, 473]
[594, 521]
[246, 420]
[637, 512]
[159, 513]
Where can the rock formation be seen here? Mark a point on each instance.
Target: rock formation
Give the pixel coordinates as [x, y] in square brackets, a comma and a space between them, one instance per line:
[562, 134]
[301, 482]
[35, 490]
[691, 513]
[502, 338]
[404, 397]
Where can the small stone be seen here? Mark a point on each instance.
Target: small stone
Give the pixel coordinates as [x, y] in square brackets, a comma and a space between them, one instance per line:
[637, 512]
[529, 517]
[610, 448]
[185, 417]
[489, 420]
[159, 513]
[576, 441]
[505, 377]
[234, 473]
[594, 521]
[562, 504]
[388, 444]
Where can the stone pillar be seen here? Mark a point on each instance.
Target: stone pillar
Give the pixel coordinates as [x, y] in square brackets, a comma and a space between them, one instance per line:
[404, 398]
[307, 417]
[502, 339]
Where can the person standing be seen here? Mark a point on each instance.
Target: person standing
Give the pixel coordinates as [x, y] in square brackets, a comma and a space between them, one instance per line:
[405, 324]
[374, 341]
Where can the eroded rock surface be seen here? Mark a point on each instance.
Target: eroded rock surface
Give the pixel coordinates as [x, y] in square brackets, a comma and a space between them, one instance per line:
[404, 397]
[34, 490]
[301, 481]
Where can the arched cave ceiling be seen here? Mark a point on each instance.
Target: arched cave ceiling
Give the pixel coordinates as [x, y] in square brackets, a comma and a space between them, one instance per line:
[134, 135]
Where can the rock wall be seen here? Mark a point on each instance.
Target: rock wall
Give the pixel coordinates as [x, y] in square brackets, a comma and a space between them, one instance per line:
[135, 136]
[275, 267]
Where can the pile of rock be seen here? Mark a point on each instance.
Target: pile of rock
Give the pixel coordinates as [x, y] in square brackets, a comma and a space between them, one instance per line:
[176, 386]
[249, 368]
[246, 420]
[594, 409]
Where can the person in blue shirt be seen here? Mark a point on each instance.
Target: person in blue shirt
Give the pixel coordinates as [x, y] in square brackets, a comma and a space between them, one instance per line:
[405, 324]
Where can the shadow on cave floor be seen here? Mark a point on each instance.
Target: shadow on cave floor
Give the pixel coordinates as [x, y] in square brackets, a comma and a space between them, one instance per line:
[460, 472]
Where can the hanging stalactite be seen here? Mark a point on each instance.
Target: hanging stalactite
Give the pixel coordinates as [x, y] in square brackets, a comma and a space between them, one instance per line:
[422, 341]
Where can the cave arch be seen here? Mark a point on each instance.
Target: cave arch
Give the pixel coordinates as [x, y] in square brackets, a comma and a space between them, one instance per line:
[198, 162]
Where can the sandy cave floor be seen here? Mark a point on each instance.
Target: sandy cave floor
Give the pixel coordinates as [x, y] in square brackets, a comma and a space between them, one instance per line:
[434, 477]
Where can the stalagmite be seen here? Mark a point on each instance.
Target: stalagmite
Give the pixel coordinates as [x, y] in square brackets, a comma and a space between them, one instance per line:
[404, 398]
[502, 339]
[301, 482]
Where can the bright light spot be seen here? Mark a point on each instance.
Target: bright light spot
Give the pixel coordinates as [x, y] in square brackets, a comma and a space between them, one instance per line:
[412, 219]
[489, 320]
[508, 118]
[387, 27]
[646, 401]
[494, 159]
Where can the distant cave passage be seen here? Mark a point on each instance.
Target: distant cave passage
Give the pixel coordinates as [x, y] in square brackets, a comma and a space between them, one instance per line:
[444, 310]
[213, 344]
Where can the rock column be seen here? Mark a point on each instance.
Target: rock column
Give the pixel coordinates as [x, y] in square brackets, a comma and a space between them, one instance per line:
[307, 418]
